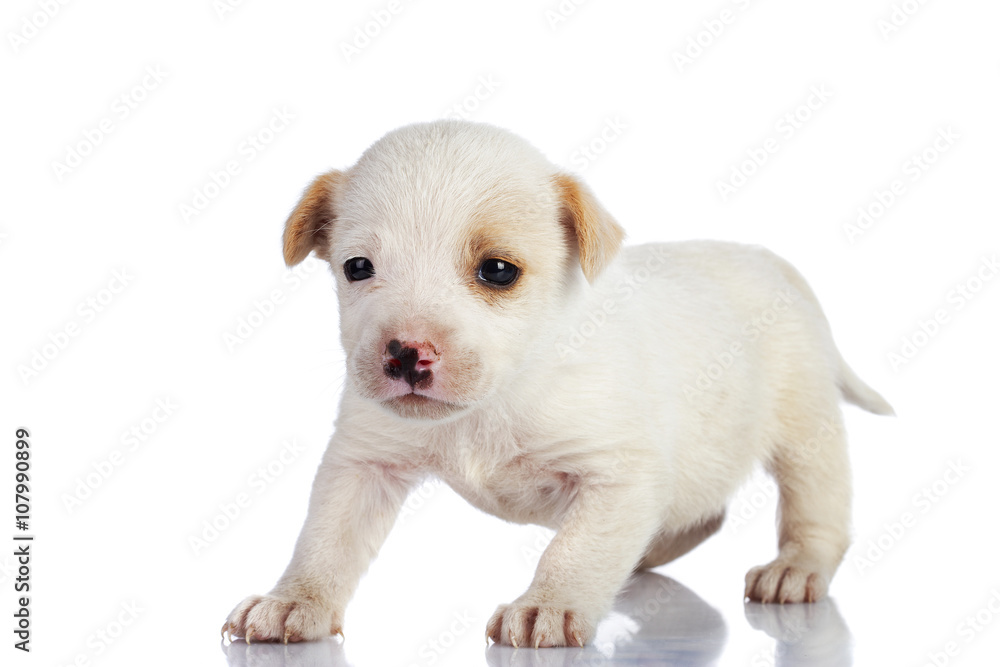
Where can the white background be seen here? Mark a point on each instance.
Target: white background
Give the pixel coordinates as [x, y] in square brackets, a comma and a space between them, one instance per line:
[672, 131]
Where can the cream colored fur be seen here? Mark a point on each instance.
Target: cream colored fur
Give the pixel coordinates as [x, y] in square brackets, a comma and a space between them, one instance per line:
[617, 397]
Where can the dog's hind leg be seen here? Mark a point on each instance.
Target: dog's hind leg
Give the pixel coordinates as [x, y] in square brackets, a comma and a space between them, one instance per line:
[814, 509]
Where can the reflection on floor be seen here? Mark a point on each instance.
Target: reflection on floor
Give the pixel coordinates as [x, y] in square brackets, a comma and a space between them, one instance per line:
[807, 634]
[656, 621]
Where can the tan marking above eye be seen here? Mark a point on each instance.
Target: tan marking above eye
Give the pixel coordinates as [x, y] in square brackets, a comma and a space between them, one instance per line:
[491, 239]
[484, 246]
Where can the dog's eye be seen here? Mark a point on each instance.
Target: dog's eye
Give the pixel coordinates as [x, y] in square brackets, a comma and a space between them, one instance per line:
[498, 272]
[358, 268]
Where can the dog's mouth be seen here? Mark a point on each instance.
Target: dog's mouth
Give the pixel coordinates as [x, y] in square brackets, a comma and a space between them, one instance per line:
[418, 406]
[414, 398]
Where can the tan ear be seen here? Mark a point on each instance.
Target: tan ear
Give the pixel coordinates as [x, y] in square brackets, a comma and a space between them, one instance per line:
[598, 235]
[307, 228]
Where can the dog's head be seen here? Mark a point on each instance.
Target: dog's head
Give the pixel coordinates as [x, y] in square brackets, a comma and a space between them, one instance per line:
[454, 245]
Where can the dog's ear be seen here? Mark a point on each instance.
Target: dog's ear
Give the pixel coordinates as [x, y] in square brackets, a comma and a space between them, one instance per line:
[598, 236]
[307, 228]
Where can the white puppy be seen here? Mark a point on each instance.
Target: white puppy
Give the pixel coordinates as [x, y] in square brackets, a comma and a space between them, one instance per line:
[496, 337]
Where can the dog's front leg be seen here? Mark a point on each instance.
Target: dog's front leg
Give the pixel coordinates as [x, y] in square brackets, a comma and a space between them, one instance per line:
[598, 544]
[351, 510]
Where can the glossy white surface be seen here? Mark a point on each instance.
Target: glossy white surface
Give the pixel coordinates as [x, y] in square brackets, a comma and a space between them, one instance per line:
[656, 621]
[118, 575]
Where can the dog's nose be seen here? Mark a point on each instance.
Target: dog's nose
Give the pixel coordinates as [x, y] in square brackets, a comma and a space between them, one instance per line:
[411, 362]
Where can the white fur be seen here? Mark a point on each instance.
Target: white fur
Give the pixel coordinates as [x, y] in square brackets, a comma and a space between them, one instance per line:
[622, 411]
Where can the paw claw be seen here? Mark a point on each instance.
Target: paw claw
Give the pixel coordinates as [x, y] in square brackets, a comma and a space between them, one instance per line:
[280, 618]
[538, 626]
[784, 581]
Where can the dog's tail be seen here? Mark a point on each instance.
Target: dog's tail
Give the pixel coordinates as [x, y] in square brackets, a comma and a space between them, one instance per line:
[857, 392]
[853, 388]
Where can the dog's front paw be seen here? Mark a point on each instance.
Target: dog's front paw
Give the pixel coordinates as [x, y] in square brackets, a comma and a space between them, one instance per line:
[270, 618]
[538, 625]
[783, 581]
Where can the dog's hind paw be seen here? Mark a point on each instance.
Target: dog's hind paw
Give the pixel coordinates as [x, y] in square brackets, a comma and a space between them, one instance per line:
[782, 581]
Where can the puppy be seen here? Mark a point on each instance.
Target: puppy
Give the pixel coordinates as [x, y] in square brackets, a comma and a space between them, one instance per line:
[497, 336]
